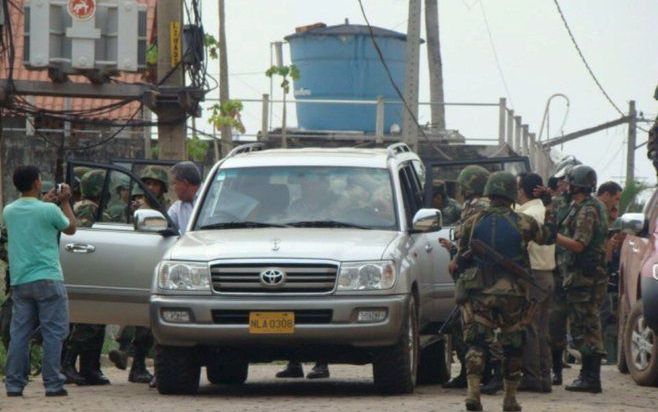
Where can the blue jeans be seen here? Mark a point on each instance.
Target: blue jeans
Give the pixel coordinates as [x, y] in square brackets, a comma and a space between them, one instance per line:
[45, 302]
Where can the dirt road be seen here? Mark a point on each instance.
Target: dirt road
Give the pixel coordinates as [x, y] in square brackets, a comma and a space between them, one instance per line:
[349, 389]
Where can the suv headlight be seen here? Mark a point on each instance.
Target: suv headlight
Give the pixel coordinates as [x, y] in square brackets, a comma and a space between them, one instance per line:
[191, 276]
[367, 275]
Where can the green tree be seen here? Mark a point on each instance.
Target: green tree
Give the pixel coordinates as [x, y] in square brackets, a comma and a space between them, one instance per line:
[197, 148]
[629, 197]
[286, 73]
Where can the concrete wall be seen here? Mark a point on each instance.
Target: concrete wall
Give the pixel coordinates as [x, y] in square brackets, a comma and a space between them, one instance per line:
[18, 149]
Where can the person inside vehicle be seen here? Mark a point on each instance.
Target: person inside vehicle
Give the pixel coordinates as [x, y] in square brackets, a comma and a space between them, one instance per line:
[450, 209]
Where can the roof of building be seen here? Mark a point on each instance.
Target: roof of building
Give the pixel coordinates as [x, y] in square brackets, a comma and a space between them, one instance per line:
[57, 103]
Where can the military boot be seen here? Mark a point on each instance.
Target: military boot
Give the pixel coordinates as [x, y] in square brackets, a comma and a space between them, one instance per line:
[495, 383]
[90, 368]
[69, 371]
[138, 371]
[292, 370]
[557, 367]
[509, 399]
[473, 393]
[589, 379]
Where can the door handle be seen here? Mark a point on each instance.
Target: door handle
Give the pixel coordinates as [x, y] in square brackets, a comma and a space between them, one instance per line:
[428, 248]
[79, 248]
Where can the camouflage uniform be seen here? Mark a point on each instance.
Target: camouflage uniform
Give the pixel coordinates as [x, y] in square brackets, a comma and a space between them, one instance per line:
[585, 278]
[86, 340]
[472, 180]
[161, 175]
[558, 311]
[451, 212]
[495, 300]
[117, 208]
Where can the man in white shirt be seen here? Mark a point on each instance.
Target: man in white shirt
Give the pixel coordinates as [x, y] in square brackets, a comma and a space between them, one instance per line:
[186, 181]
[537, 351]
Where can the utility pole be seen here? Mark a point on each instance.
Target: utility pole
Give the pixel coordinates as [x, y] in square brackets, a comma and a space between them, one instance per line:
[632, 139]
[410, 114]
[171, 136]
[435, 65]
[227, 138]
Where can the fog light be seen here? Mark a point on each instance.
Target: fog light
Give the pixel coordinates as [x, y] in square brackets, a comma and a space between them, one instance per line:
[176, 315]
[372, 315]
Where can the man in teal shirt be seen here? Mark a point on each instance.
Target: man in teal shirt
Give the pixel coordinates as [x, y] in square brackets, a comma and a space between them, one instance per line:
[37, 286]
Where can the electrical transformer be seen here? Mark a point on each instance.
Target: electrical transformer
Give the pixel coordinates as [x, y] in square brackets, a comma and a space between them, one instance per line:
[85, 36]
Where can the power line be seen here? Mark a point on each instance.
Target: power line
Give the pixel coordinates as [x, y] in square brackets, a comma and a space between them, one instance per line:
[589, 68]
[380, 55]
[495, 52]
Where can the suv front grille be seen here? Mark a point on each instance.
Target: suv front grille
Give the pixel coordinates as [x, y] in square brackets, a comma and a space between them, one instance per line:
[300, 278]
[302, 317]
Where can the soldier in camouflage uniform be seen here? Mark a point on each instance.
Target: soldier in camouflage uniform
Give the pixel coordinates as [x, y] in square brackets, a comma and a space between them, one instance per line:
[472, 180]
[118, 205]
[86, 340]
[583, 234]
[557, 323]
[448, 206]
[156, 179]
[495, 305]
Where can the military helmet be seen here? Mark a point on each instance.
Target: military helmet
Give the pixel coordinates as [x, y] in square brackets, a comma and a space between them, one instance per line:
[472, 180]
[582, 176]
[564, 166]
[120, 181]
[137, 191]
[80, 171]
[91, 184]
[501, 184]
[158, 173]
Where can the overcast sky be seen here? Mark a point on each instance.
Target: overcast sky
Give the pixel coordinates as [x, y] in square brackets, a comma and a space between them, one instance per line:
[618, 37]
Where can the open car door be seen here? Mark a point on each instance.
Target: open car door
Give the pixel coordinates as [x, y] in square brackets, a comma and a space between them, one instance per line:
[108, 267]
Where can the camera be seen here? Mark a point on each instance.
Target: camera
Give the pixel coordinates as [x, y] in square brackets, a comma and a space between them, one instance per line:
[59, 189]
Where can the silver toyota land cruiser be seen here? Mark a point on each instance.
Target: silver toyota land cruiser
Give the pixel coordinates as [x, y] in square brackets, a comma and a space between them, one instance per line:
[303, 254]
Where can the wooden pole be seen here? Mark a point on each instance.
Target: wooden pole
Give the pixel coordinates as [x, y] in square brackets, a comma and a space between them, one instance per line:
[517, 133]
[435, 65]
[171, 136]
[632, 140]
[502, 111]
[227, 138]
[510, 128]
[411, 78]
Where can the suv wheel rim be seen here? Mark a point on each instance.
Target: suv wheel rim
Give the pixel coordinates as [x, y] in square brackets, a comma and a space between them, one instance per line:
[642, 341]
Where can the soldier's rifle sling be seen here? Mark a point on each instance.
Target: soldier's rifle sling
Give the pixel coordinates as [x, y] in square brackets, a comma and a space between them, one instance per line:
[482, 250]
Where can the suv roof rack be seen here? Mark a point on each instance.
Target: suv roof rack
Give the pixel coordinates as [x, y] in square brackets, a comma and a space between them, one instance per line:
[397, 148]
[246, 148]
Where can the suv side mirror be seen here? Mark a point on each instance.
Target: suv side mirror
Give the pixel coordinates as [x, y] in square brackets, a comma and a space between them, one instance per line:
[427, 220]
[633, 223]
[150, 221]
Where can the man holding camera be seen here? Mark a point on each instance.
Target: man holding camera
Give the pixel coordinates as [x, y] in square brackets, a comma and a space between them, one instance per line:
[33, 227]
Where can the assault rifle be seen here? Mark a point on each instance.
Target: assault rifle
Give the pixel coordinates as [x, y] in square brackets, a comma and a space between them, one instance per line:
[482, 250]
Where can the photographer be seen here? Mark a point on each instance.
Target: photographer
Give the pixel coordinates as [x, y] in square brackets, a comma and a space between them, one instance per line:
[37, 286]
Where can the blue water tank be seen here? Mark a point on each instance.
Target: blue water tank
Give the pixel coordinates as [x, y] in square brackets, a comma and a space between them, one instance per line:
[340, 62]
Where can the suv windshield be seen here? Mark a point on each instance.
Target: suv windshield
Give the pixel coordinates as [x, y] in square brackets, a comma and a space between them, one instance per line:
[299, 196]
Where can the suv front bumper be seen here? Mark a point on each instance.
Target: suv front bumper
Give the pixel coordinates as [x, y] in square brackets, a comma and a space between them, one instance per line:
[342, 328]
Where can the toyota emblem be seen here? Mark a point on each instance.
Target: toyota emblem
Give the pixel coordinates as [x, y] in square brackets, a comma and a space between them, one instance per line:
[272, 277]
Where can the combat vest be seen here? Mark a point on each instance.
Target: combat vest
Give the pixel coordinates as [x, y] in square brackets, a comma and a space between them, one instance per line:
[500, 231]
[588, 267]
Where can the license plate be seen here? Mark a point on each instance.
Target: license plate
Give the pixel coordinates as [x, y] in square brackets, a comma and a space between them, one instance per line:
[271, 322]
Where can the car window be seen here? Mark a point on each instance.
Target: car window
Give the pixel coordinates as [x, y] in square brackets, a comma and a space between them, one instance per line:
[408, 194]
[293, 195]
[122, 198]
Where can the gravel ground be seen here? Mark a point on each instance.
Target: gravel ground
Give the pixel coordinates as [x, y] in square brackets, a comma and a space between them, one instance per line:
[349, 389]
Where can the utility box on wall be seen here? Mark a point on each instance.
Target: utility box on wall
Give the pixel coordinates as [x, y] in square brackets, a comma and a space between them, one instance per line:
[78, 36]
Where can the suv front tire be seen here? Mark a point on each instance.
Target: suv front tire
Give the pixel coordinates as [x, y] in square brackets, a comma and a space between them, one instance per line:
[177, 370]
[395, 368]
[641, 348]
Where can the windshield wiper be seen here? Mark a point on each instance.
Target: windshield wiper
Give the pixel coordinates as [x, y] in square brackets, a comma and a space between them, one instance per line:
[238, 225]
[327, 223]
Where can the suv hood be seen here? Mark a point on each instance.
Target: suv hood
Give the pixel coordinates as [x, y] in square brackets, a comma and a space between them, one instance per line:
[295, 243]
